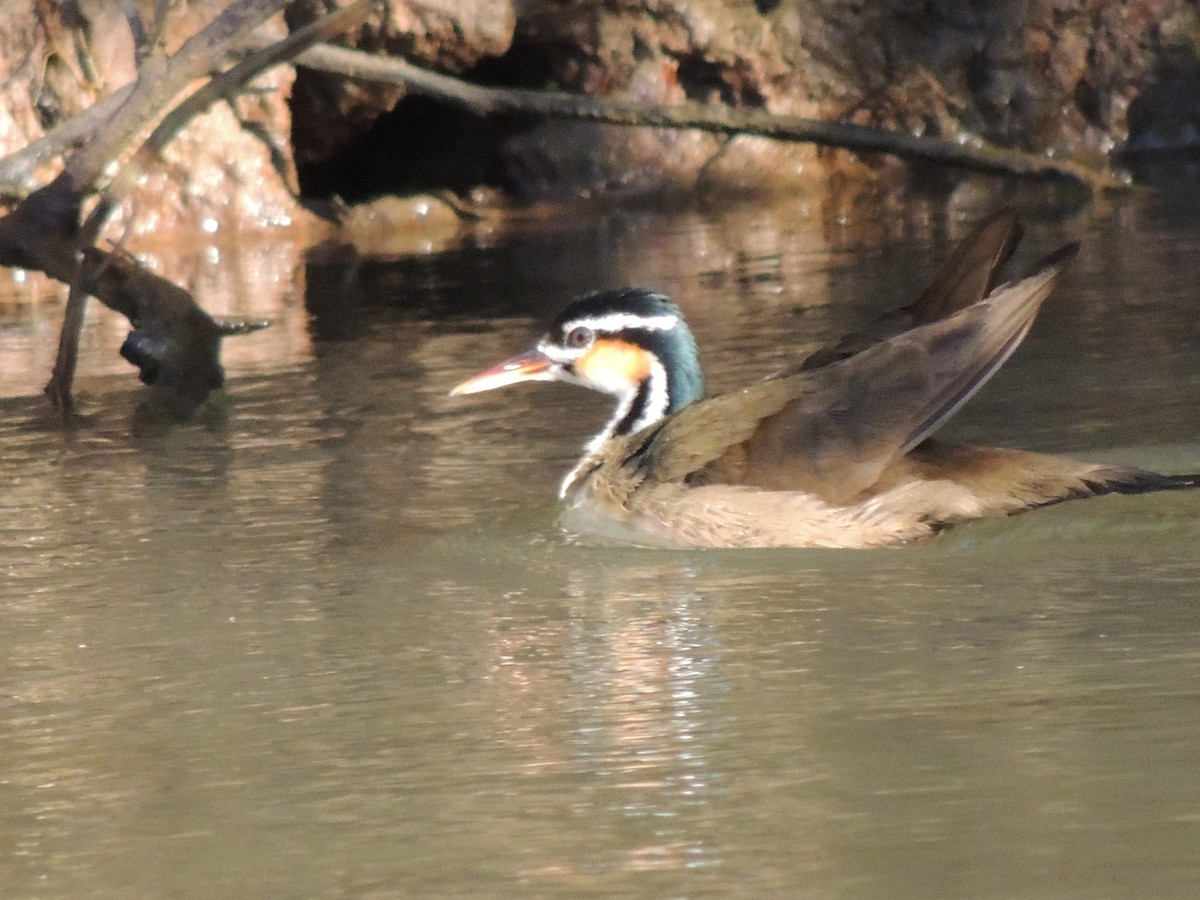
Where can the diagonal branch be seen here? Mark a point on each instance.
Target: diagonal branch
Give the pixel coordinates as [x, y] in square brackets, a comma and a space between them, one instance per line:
[159, 82]
[17, 169]
[221, 86]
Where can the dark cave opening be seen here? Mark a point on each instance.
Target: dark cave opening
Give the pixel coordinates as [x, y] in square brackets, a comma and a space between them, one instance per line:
[420, 145]
[426, 145]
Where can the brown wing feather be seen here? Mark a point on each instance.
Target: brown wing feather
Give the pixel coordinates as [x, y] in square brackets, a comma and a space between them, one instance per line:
[967, 276]
[833, 431]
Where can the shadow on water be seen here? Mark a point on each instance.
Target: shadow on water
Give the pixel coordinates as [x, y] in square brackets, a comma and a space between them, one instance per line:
[334, 640]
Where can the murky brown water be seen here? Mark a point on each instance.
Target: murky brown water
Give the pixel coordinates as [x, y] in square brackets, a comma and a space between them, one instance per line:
[332, 642]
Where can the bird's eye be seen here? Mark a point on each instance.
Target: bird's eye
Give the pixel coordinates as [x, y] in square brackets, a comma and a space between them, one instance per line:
[579, 337]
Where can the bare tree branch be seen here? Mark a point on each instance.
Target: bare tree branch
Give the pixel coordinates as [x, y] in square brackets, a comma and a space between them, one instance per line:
[137, 28]
[484, 101]
[16, 169]
[159, 82]
[174, 342]
[221, 86]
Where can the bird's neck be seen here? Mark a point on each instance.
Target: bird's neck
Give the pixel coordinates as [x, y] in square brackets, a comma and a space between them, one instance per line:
[669, 386]
[639, 407]
[661, 393]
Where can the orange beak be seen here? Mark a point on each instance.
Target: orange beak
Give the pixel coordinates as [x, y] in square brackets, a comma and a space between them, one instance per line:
[532, 365]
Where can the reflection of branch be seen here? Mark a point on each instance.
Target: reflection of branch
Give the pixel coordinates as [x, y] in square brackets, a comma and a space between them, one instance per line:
[978, 155]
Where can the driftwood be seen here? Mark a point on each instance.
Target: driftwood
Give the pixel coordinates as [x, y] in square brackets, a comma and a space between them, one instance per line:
[174, 342]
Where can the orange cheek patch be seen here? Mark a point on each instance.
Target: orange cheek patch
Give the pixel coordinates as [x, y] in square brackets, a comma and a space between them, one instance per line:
[614, 364]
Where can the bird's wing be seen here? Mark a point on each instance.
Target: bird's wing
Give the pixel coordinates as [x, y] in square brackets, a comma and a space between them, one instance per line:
[969, 275]
[833, 430]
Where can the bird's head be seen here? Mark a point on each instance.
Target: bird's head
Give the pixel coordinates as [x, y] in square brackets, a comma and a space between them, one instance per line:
[631, 343]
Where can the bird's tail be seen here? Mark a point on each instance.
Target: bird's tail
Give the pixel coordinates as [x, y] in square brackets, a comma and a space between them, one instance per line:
[1122, 480]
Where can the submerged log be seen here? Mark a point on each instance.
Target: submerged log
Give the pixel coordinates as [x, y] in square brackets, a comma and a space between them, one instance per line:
[174, 343]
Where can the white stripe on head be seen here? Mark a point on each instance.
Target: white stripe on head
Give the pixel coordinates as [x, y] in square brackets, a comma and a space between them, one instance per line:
[559, 354]
[562, 355]
[611, 323]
